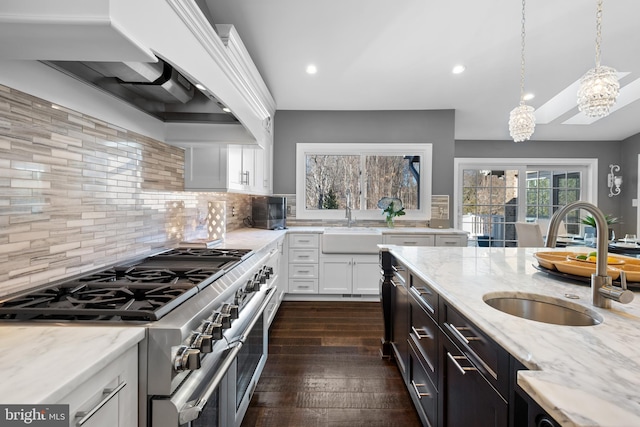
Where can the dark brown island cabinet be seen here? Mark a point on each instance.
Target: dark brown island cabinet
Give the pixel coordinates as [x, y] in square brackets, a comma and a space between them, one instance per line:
[457, 376]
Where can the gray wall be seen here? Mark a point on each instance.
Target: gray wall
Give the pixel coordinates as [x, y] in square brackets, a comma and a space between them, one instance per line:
[434, 126]
[437, 127]
[607, 152]
[629, 169]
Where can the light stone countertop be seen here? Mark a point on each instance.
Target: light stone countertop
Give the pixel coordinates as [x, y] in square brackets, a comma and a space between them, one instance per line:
[582, 376]
[383, 230]
[250, 238]
[42, 364]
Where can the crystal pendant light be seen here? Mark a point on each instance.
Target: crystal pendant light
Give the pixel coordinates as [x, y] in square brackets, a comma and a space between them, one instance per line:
[599, 87]
[522, 120]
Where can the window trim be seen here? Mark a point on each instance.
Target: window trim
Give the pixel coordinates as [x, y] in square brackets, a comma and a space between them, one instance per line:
[589, 184]
[425, 150]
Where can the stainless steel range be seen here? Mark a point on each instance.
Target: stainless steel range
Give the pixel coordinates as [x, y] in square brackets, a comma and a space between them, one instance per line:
[203, 310]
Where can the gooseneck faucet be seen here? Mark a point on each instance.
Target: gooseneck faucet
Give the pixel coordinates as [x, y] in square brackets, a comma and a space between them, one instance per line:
[347, 212]
[602, 289]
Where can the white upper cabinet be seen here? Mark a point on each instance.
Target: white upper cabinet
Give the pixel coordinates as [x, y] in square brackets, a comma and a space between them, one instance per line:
[233, 168]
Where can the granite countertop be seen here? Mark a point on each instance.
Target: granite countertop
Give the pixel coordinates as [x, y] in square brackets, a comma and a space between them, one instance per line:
[42, 364]
[582, 376]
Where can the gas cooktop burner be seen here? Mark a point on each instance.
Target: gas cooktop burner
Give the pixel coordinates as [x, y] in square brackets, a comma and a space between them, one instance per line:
[96, 300]
[142, 273]
[238, 254]
[142, 290]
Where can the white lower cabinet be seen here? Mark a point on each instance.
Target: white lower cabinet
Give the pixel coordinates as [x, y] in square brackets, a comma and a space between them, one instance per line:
[312, 272]
[349, 274]
[451, 240]
[303, 255]
[109, 398]
[426, 239]
[410, 239]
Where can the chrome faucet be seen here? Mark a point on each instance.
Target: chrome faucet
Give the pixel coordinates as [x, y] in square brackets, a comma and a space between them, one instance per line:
[347, 213]
[602, 289]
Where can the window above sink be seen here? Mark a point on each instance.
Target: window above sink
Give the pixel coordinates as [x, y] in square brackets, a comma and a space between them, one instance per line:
[329, 174]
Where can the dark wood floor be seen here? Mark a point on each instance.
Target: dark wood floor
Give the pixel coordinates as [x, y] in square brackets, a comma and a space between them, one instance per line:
[324, 369]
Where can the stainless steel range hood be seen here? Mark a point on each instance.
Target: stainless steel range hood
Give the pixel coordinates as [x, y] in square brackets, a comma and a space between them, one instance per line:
[156, 88]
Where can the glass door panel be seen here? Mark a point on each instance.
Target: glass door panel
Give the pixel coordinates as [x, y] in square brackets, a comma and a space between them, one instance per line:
[490, 204]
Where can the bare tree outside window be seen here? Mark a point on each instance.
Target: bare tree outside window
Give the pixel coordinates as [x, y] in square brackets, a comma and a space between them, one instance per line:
[335, 174]
[393, 176]
[370, 176]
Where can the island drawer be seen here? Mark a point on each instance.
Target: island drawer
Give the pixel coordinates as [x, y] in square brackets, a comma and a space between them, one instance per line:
[400, 274]
[491, 359]
[425, 294]
[423, 334]
[423, 393]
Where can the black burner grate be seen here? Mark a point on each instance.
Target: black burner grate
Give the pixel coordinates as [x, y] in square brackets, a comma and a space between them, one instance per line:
[144, 291]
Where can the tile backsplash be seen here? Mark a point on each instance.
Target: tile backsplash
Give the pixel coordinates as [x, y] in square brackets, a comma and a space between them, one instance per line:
[79, 194]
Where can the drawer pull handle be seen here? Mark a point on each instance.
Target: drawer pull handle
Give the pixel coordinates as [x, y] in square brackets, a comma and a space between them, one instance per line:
[415, 387]
[455, 359]
[456, 331]
[423, 291]
[425, 333]
[107, 395]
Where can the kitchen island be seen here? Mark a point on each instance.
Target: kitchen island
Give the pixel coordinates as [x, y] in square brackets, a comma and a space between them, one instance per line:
[580, 375]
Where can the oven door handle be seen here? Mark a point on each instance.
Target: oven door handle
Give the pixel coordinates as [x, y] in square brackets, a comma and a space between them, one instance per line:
[193, 412]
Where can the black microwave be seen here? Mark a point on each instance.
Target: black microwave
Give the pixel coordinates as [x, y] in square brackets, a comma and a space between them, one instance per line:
[269, 212]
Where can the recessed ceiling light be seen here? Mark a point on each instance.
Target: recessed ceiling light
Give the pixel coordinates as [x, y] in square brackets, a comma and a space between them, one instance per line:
[458, 69]
[528, 96]
[311, 69]
[226, 109]
[199, 86]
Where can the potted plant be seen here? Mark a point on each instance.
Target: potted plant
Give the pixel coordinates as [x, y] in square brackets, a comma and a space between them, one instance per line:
[591, 222]
[391, 208]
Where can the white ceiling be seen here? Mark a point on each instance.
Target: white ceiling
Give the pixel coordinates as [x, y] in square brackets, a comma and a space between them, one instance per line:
[398, 55]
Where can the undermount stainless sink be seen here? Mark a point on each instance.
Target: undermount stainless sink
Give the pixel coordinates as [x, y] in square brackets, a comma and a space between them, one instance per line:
[542, 308]
[355, 240]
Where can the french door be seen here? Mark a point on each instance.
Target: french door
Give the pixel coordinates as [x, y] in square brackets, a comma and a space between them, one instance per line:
[492, 195]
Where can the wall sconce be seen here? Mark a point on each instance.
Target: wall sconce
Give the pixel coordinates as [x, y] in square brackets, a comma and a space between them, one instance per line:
[614, 182]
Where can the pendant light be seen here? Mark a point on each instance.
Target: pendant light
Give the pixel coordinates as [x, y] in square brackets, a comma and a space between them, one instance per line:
[522, 120]
[599, 87]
